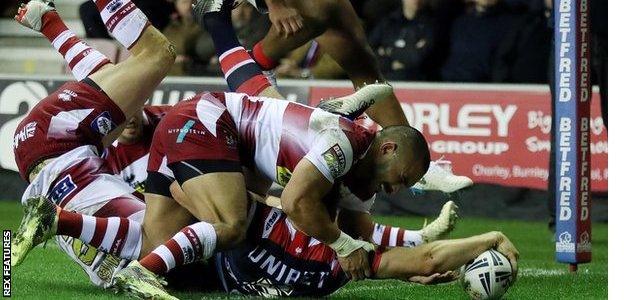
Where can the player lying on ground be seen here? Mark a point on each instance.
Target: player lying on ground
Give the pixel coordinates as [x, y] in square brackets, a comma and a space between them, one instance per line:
[278, 260]
[127, 157]
[120, 235]
[335, 26]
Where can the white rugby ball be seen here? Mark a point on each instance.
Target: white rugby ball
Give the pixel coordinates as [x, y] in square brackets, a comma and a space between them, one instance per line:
[486, 277]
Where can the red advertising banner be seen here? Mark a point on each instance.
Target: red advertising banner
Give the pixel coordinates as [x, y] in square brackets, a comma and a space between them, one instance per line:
[494, 135]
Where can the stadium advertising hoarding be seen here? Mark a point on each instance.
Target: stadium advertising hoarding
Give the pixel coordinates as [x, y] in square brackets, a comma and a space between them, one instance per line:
[495, 134]
[19, 94]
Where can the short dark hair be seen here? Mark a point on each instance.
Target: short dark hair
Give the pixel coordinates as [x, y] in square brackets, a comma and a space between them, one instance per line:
[408, 137]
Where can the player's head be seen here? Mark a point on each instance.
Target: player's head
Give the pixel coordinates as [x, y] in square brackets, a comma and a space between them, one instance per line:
[133, 131]
[401, 158]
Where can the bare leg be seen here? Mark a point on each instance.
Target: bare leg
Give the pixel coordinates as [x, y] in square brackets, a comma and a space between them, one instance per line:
[345, 41]
[163, 218]
[343, 38]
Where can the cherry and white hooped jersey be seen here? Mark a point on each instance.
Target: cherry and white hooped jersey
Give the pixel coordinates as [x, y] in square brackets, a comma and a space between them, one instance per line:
[129, 161]
[276, 134]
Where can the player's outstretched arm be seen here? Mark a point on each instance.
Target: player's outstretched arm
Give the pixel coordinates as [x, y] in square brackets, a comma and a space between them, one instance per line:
[302, 202]
[442, 256]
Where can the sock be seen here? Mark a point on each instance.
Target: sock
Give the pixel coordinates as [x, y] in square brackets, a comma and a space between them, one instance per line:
[265, 62]
[240, 71]
[118, 236]
[388, 236]
[81, 58]
[123, 19]
[192, 243]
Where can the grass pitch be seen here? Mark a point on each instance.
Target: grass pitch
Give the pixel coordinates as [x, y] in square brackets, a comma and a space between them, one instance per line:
[49, 274]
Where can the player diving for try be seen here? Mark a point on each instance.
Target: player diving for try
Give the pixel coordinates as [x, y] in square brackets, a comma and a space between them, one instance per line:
[214, 98]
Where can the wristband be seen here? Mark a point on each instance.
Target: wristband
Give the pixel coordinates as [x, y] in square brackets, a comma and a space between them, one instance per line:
[344, 245]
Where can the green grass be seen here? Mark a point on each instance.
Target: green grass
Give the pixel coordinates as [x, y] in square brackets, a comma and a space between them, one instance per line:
[48, 274]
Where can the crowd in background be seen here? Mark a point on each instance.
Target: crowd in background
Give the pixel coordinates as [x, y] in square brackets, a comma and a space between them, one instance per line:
[414, 40]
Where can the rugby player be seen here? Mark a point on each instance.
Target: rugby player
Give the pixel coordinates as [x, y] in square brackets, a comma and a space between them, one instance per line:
[209, 160]
[276, 259]
[58, 144]
[334, 25]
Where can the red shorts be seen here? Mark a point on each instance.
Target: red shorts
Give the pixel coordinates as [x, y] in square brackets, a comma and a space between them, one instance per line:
[77, 114]
[199, 132]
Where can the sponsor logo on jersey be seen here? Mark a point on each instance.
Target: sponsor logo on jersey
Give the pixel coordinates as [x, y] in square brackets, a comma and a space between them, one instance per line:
[186, 129]
[84, 252]
[283, 175]
[114, 5]
[335, 159]
[25, 133]
[67, 95]
[103, 123]
[62, 189]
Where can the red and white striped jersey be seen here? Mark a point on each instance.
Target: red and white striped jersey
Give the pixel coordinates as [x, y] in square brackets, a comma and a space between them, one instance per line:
[278, 260]
[276, 134]
[129, 161]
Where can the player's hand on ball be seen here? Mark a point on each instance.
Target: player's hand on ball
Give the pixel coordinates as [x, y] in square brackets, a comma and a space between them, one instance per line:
[356, 264]
[286, 20]
[507, 248]
[435, 278]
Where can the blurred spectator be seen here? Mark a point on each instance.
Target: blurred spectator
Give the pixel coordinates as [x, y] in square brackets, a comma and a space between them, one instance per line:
[372, 11]
[183, 32]
[8, 8]
[522, 55]
[474, 40]
[157, 11]
[309, 62]
[404, 42]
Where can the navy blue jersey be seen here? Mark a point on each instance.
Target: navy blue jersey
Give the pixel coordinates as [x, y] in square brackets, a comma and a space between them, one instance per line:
[278, 260]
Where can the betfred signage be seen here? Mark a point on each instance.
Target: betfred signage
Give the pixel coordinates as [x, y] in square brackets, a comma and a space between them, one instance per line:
[499, 136]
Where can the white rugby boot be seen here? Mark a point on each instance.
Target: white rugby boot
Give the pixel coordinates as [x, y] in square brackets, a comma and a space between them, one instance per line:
[443, 225]
[354, 105]
[440, 177]
[30, 14]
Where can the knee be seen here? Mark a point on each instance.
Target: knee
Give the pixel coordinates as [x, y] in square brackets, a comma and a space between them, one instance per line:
[231, 234]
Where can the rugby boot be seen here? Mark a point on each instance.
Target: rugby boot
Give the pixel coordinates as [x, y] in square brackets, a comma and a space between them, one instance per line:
[440, 177]
[139, 282]
[39, 224]
[354, 105]
[30, 14]
[443, 225]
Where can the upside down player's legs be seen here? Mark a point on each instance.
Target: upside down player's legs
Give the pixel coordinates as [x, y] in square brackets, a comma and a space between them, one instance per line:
[132, 81]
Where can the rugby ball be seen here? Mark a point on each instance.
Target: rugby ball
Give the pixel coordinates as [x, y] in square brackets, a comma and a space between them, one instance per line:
[486, 277]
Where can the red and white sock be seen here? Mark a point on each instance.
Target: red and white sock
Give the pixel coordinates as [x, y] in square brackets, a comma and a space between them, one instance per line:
[81, 58]
[118, 236]
[265, 62]
[192, 243]
[388, 236]
[123, 19]
[242, 73]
